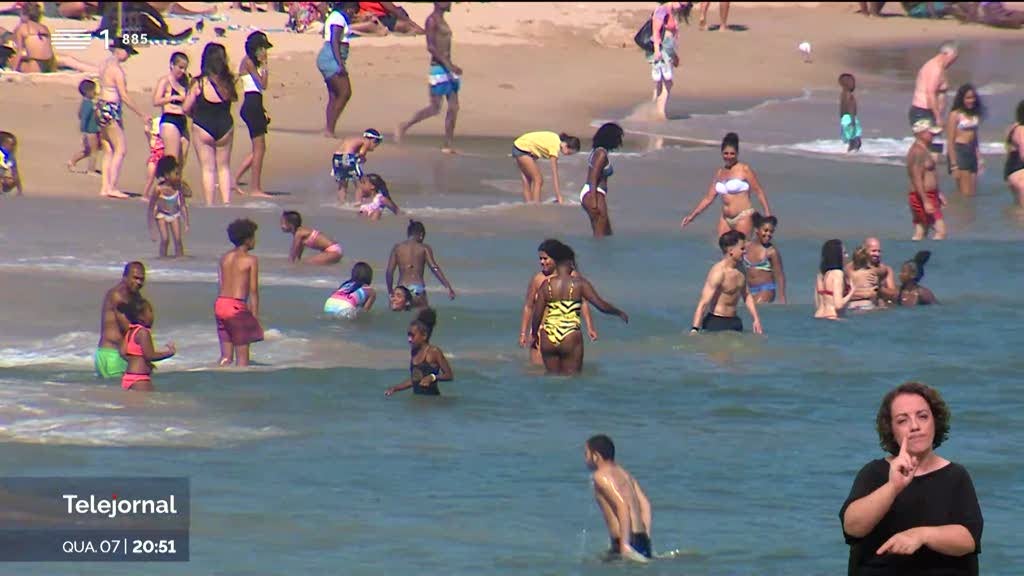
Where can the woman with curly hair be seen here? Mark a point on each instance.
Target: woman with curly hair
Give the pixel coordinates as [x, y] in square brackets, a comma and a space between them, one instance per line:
[912, 512]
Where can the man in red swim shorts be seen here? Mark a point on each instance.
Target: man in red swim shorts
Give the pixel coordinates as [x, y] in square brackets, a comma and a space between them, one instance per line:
[238, 300]
[924, 197]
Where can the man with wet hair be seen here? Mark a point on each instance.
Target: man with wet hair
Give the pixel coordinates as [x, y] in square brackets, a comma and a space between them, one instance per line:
[625, 507]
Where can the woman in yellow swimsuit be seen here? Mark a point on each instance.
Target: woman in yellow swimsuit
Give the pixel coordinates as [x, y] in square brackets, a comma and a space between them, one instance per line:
[559, 303]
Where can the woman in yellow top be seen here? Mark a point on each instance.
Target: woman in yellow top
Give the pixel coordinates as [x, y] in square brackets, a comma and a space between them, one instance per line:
[530, 147]
[556, 314]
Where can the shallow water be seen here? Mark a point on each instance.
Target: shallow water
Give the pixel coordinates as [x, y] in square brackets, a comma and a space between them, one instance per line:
[746, 445]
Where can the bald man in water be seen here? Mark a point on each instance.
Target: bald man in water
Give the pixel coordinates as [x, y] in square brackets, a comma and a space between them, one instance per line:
[884, 284]
[931, 85]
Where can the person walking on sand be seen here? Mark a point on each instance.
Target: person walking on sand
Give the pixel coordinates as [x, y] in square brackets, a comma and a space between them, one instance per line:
[107, 359]
[411, 257]
[444, 78]
[931, 85]
[114, 93]
[238, 300]
[533, 146]
[625, 507]
[87, 127]
[924, 197]
[254, 72]
[723, 15]
[664, 58]
[724, 288]
[331, 62]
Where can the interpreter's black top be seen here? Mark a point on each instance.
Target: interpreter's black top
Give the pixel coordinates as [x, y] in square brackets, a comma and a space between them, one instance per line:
[945, 496]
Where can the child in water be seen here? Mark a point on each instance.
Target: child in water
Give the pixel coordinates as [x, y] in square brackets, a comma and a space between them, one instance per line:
[849, 125]
[427, 365]
[137, 345]
[156, 152]
[354, 295]
[303, 237]
[348, 160]
[168, 210]
[373, 186]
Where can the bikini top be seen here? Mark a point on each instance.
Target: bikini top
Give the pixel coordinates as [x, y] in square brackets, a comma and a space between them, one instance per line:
[132, 348]
[608, 170]
[249, 83]
[968, 122]
[765, 264]
[732, 186]
[311, 239]
[172, 198]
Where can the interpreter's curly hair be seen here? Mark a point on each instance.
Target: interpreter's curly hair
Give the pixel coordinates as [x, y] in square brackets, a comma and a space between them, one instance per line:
[940, 412]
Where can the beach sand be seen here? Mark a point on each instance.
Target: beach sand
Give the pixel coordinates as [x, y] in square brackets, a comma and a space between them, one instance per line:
[530, 66]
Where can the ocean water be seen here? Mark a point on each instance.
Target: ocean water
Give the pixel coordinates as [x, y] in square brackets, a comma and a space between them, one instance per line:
[746, 445]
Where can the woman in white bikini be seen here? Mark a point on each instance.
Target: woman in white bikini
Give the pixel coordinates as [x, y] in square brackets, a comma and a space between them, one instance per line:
[733, 183]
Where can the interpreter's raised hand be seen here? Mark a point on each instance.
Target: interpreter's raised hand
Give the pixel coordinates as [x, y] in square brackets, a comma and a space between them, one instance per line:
[902, 467]
[903, 543]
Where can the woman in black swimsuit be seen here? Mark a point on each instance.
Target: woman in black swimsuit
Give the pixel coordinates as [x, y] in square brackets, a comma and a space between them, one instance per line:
[427, 366]
[169, 95]
[1013, 171]
[209, 103]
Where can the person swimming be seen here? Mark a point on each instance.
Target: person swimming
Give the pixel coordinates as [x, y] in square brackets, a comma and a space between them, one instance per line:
[354, 295]
[911, 292]
[401, 299]
[427, 363]
[303, 237]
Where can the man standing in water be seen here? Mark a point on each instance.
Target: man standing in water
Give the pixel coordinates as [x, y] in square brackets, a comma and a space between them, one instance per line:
[724, 288]
[627, 512]
[931, 86]
[411, 257]
[444, 78]
[238, 301]
[884, 284]
[113, 324]
[924, 197]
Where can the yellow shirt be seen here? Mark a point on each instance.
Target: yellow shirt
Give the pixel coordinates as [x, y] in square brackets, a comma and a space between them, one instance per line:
[540, 144]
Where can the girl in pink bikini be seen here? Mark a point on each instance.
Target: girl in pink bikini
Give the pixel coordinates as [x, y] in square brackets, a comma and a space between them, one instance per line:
[303, 237]
[137, 346]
